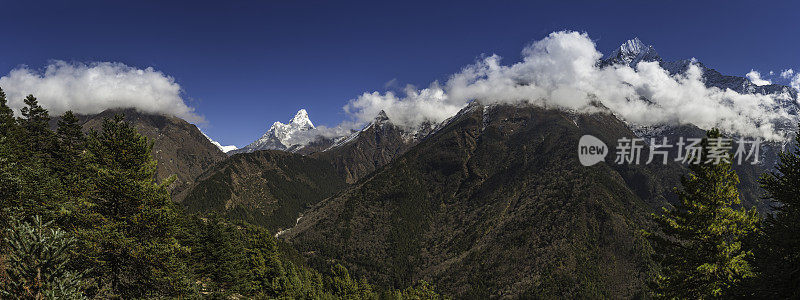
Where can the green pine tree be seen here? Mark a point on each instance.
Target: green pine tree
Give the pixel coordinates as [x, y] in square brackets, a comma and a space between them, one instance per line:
[221, 250]
[265, 273]
[37, 263]
[778, 250]
[340, 283]
[9, 183]
[27, 186]
[129, 226]
[6, 115]
[71, 140]
[68, 163]
[700, 246]
[36, 128]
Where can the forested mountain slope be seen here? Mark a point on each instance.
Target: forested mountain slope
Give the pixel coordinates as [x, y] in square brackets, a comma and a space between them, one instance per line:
[268, 187]
[496, 204]
[272, 188]
[178, 146]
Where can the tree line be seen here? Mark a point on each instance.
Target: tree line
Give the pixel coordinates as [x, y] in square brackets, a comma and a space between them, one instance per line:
[83, 216]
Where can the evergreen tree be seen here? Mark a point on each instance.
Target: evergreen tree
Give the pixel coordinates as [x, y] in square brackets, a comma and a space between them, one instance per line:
[27, 185]
[6, 115]
[37, 263]
[222, 253]
[265, 273]
[700, 246]
[71, 140]
[778, 250]
[68, 161]
[422, 290]
[128, 230]
[9, 184]
[35, 124]
[342, 285]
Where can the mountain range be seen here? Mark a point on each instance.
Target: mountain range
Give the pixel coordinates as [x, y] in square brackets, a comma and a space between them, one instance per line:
[489, 203]
[635, 51]
[495, 204]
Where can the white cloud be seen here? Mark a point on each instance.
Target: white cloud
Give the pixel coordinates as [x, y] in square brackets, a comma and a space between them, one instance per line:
[415, 107]
[95, 87]
[561, 71]
[755, 77]
[311, 135]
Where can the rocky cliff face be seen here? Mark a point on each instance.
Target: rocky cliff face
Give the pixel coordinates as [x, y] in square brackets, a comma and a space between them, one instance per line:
[365, 151]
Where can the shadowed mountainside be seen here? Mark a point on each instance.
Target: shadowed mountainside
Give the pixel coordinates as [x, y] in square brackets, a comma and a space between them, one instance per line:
[178, 146]
[269, 187]
[272, 188]
[496, 204]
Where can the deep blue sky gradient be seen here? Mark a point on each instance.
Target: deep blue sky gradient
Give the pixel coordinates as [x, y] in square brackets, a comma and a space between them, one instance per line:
[246, 64]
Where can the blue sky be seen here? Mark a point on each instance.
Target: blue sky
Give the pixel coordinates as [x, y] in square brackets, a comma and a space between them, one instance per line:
[245, 64]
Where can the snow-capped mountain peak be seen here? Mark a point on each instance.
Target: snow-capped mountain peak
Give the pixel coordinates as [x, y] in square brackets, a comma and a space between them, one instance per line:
[301, 120]
[285, 132]
[282, 136]
[632, 47]
[632, 52]
[381, 118]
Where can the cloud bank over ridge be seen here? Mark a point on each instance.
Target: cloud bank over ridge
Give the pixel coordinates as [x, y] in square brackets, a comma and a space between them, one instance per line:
[563, 71]
[95, 87]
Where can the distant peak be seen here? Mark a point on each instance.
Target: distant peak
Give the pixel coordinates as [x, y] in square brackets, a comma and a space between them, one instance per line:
[381, 117]
[300, 121]
[475, 103]
[633, 46]
[632, 52]
[282, 136]
[301, 118]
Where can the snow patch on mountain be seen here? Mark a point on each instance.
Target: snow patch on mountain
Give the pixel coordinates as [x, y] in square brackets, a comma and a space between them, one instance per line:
[222, 148]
